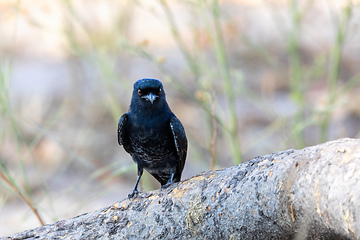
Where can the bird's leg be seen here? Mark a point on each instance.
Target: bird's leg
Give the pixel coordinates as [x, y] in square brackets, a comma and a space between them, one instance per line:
[170, 181]
[135, 190]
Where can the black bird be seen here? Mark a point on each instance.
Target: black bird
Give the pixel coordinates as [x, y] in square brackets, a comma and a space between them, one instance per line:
[152, 134]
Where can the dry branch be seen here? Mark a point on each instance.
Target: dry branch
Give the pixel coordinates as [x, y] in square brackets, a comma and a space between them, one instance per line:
[312, 193]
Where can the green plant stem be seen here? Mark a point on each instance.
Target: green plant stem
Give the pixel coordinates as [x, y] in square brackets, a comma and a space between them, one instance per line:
[335, 58]
[109, 82]
[179, 41]
[225, 75]
[7, 114]
[296, 74]
[212, 147]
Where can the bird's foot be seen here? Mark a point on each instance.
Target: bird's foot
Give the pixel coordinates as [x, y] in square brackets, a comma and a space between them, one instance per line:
[133, 194]
[170, 181]
[166, 185]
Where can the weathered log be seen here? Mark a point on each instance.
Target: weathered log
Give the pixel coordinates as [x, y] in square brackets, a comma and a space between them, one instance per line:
[313, 193]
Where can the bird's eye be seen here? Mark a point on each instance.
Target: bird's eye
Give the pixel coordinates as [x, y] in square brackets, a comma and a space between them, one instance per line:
[159, 91]
[139, 92]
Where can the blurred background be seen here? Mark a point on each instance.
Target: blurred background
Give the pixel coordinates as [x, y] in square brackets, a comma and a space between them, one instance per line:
[245, 77]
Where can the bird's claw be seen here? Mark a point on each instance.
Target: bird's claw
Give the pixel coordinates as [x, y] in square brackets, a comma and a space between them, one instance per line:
[133, 194]
[165, 186]
[170, 181]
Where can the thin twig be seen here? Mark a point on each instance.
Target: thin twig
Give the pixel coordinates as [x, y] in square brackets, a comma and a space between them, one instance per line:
[22, 197]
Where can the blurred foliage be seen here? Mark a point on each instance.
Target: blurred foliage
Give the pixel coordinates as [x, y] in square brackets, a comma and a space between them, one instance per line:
[245, 77]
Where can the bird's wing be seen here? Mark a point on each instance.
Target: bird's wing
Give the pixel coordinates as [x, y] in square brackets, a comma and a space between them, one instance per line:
[123, 138]
[180, 140]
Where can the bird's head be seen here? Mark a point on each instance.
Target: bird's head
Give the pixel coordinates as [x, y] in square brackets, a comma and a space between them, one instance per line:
[148, 92]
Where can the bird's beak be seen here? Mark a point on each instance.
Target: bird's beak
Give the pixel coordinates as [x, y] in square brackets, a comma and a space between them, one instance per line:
[150, 97]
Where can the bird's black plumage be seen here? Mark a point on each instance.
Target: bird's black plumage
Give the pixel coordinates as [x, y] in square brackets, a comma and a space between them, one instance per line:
[152, 134]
